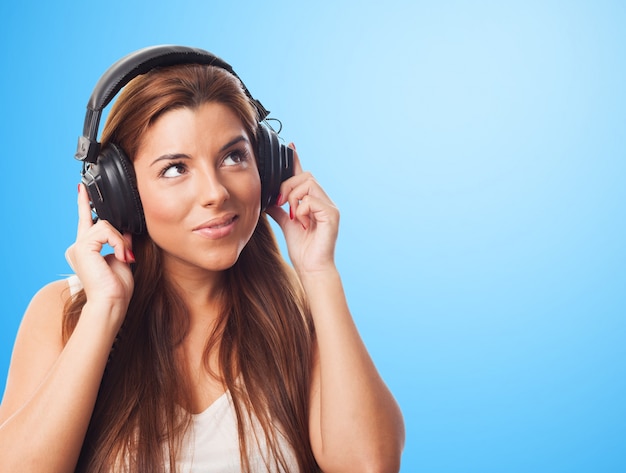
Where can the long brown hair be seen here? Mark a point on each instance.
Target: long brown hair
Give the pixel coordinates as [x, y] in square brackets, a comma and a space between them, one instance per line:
[264, 334]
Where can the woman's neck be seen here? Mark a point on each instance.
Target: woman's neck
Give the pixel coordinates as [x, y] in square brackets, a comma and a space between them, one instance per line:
[201, 292]
[199, 288]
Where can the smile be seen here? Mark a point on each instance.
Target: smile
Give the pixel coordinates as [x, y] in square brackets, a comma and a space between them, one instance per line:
[217, 227]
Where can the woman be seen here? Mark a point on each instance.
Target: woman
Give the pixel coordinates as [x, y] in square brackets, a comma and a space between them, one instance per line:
[194, 346]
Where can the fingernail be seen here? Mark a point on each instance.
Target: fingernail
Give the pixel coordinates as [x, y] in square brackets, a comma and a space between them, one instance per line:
[290, 213]
[279, 200]
[130, 256]
[79, 188]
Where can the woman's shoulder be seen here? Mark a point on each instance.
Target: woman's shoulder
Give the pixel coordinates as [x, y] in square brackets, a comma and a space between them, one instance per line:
[57, 292]
[42, 322]
[37, 344]
[47, 305]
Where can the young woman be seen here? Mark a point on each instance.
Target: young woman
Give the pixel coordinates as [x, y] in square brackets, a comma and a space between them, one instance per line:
[194, 346]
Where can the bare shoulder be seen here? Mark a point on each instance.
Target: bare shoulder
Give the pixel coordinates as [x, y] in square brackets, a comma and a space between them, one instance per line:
[44, 315]
[54, 294]
[37, 345]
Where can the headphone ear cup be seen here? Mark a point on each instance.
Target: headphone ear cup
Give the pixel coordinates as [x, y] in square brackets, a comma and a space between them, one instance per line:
[112, 188]
[275, 163]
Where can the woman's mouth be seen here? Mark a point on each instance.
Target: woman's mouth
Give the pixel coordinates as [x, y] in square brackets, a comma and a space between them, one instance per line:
[217, 227]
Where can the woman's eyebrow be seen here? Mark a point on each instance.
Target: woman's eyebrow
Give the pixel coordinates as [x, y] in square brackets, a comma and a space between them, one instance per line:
[175, 156]
[234, 141]
[168, 157]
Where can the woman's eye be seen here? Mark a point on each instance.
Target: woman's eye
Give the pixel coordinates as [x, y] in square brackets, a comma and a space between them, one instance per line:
[173, 170]
[234, 158]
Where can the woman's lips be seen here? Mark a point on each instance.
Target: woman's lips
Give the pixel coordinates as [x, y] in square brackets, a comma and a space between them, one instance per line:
[217, 227]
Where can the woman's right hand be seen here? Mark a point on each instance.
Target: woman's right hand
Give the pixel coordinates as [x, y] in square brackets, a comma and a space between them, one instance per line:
[53, 383]
[107, 280]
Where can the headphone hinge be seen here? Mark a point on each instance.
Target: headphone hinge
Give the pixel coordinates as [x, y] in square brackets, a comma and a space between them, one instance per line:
[87, 150]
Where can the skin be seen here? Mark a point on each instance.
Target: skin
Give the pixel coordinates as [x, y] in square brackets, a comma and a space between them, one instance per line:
[200, 191]
[201, 198]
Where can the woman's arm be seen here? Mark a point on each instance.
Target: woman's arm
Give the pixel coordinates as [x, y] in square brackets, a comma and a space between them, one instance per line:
[356, 424]
[51, 388]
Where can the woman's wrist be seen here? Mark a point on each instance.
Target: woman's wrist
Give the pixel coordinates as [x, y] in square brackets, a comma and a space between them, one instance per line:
[107, 316]
[321, 282]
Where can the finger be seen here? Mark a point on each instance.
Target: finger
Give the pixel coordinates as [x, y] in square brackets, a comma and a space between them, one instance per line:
[121, 251]
[103, 233]
[128, 239]
[288, 188]
[279, 215]
[303, 212]
[302, 186]
[85, 220]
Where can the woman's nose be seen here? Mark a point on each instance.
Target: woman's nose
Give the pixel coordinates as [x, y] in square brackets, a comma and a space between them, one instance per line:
[211, 189]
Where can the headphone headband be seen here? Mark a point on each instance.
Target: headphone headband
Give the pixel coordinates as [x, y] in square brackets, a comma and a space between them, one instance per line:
[131, 66]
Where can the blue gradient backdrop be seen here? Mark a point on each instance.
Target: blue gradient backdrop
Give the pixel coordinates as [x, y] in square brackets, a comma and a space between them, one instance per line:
[477, 152]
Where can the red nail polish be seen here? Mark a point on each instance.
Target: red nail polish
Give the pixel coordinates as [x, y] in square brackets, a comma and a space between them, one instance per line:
[79, 188]
[130, 256]
[290, 213]
[279, 199]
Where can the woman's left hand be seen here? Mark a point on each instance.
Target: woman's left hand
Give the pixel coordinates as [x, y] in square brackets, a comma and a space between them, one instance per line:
[312, 224]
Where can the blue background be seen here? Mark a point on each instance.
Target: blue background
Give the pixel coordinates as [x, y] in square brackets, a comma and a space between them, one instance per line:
[476, 150]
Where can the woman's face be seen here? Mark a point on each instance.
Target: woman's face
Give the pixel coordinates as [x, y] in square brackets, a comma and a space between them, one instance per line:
[199, 185]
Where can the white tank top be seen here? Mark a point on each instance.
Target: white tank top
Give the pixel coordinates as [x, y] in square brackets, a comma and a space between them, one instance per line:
[211, 445]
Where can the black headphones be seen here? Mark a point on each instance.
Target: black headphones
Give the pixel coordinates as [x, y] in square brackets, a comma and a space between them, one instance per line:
[109, 175]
